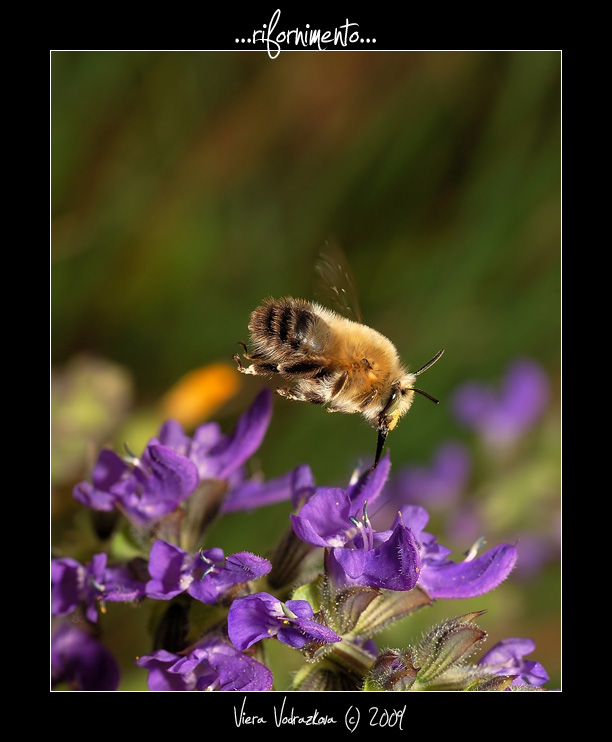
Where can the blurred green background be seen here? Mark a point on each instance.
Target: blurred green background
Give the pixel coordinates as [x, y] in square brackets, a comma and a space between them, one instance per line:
[188, 186]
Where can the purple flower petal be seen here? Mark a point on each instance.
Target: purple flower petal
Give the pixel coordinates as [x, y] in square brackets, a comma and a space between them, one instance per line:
[67, 577]
[159, 482]
[213, 664]
[262, 616]
[108, 470]
[300, 608]
[252, 618]
[73, 584]
[230, 453]
[197, 449]
[171, 571]
[206, 576]
[468, 579]
[303, 631]
[369, 485]
[172, 435]
[299, 630]
[352, 562]
[302, 485]
[221, 667]
[160, 678]
[416, 517]
[324, 519]
[394, 564]
[441, 577]
[125, 583]
[235, 570]
[217, 456]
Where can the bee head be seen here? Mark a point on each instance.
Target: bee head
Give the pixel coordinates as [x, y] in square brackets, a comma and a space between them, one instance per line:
[393, 409]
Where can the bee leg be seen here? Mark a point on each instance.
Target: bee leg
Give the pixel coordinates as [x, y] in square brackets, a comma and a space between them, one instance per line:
[339, 385]
[246, 353]
[367, 400]
[290, 394]
[302, 369]
[299, 396]
[256, 369]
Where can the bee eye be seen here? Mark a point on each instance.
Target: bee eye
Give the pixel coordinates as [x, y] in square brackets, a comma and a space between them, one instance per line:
[393, 402]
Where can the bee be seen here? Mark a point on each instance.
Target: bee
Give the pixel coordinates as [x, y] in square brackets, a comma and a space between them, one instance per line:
[332, 360]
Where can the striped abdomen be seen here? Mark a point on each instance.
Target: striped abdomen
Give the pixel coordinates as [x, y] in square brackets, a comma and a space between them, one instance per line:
[290, 333]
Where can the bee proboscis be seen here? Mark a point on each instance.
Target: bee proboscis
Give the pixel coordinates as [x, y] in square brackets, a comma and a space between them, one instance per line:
[332, 360]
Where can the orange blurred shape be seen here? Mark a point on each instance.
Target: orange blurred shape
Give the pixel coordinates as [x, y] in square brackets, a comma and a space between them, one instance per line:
[200, 392]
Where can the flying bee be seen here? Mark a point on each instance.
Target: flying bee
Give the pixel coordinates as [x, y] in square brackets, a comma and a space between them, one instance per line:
[332, 360]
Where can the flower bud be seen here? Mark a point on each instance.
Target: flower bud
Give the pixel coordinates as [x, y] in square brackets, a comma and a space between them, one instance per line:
[393, 671]
[445, 645]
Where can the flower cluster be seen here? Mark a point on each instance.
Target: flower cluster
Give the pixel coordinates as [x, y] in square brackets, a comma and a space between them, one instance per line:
[333, 582]
[211, 664]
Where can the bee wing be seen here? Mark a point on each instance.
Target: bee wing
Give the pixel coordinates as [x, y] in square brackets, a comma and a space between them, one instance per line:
[334, 283]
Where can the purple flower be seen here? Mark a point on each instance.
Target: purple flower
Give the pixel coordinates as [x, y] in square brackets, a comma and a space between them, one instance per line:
[385, 559]
[159, 664]
[501, 417]
[327, 518]
[73, 584]
[214, 454]
[359, 555]
[159, 481]
[125, 583]
[206, 576]
[150, 488]
[172, 465]
[81, 661]
[506, 658]
[442, 578]
[213, 664]
[262, 616]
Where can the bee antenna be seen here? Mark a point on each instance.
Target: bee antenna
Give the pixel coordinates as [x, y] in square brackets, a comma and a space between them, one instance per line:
[429, 364]
[420, 391]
